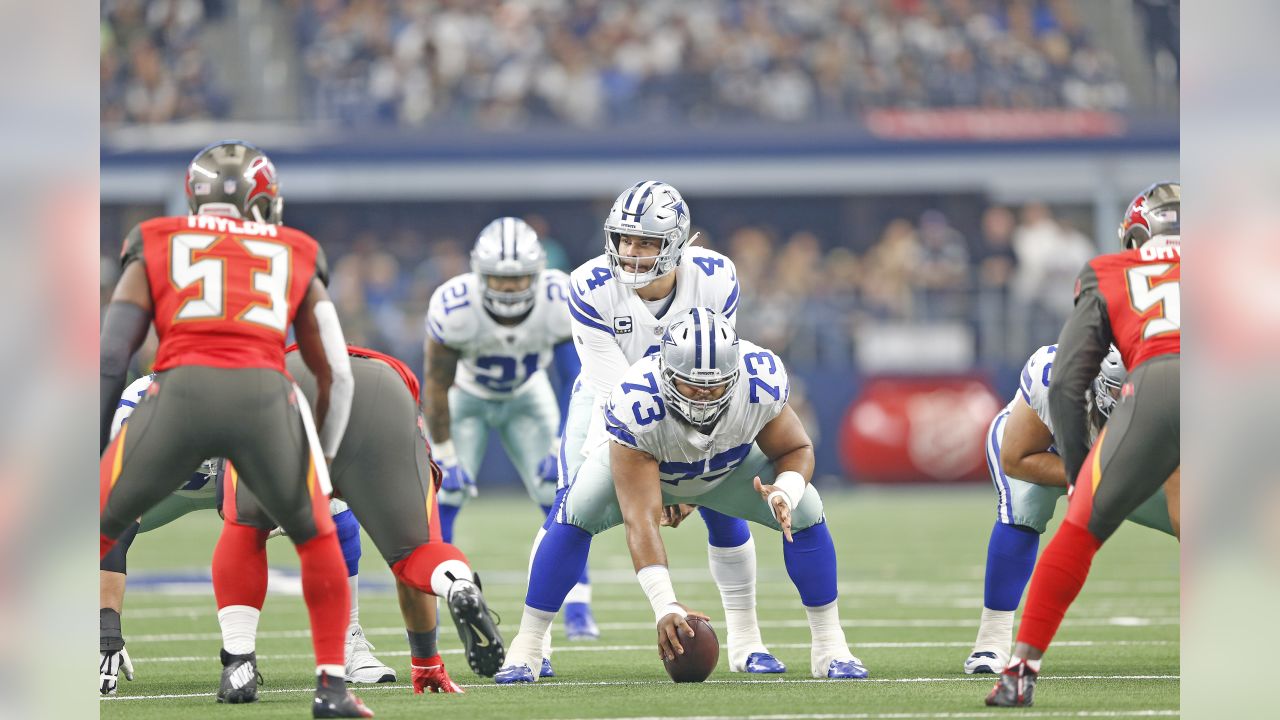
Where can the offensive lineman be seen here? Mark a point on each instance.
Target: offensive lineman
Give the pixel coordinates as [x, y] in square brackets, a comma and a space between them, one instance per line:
[1131, 299]
[1029, 478]
[223, 286]
[696, 422]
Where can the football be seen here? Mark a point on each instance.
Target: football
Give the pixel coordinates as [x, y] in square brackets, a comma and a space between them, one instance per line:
[701, 653]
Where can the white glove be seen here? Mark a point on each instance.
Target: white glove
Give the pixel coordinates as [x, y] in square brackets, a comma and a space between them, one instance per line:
[109, 666]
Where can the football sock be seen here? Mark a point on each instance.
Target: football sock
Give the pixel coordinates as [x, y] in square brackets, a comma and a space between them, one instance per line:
[734, 571]
[349, 538]
[240, 567]
[811, 562]
[110, 638]
[338, 672]
[724, 531]
[239, 624]
[827, 637]
[556, 566]
[1063, 568]
[448, 513]
[530, 641]
[432, 567]
[327, 597]
[353, 584]
[995, 632]
[422, 644]
[1011, 556]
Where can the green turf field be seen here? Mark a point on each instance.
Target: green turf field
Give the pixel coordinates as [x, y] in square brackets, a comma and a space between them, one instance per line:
[911, 566]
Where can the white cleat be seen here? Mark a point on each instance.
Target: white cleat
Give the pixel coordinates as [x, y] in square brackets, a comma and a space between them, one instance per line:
[986, 662]
[362, 666]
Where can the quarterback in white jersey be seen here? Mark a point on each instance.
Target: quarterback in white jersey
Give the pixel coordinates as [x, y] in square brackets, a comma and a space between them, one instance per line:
[492, 335]
[704, 420]
[1029, 477]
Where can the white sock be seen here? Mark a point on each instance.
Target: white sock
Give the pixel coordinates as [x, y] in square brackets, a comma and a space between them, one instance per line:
[546, 638]
[354, 582]
[239, 625]
[579, 593]
[332, 670]
[734, 570]
[529, 644]
[828, 638]
[995, 632]
[441, 580]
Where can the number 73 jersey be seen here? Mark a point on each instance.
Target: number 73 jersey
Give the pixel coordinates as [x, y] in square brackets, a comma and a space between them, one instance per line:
[224, 290]
[690, 463]
[498, 360]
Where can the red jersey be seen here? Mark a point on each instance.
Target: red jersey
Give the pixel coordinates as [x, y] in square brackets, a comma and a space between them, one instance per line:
[225, 291]
[410, 380]
[1142, 292]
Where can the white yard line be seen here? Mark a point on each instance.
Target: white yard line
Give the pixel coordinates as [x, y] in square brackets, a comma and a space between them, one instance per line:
[605, 683]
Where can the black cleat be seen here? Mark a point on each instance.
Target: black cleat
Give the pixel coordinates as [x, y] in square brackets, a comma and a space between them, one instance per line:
[240, 678]
[476, 628]
[333, 700]
[1016, 687]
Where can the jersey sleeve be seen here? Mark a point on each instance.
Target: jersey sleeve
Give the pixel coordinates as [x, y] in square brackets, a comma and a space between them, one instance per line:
[1083, 344]
[733, 292]
[556, 295]
[1033, 383]
[635, 408]
[768, 385]
[603, 361]
[322, 266]
[451, 319]
[132, 249]
[129, 400]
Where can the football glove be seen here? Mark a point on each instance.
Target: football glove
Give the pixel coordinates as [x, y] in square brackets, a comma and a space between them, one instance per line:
[110, 665]
[429, 674]
[455, 478]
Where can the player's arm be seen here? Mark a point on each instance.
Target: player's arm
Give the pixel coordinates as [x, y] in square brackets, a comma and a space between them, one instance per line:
[603, 361]
[124, 327]
[787, 445]
[1024, 450]
[324, 351]
[567, 365]
[438, 373]
[1084, 342]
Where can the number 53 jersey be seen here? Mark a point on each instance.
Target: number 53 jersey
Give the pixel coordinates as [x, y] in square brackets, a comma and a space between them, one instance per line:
[225, 291]
[689, 462]
[498, 360]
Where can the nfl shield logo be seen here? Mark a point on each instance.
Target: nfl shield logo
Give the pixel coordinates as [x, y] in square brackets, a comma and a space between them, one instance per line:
[229, 187]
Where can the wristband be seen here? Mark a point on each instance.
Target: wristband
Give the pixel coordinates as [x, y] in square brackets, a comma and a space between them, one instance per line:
[789, 486]
[656, 582]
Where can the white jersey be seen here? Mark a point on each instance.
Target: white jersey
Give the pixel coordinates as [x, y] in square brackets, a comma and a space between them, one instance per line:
[129, 400]
[498, 360]
[1033, 385]
[690, 463]
[613, 328]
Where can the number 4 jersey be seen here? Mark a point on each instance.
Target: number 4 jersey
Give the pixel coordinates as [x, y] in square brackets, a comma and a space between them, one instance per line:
[498, 360]
[225, 291]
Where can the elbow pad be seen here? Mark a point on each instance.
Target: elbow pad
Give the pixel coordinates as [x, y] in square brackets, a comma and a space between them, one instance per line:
[343, 386]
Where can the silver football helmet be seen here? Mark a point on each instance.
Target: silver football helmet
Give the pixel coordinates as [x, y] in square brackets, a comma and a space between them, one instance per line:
[699, 348]
[1106, 386]
[651, 209]
[508, 247]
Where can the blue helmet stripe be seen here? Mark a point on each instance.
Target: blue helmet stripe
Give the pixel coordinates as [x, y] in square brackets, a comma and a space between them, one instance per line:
[711, 334]
[697, 339]
[633, 207]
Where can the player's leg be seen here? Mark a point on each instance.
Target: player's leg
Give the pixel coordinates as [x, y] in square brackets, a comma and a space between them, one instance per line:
[586, 508]
[361, 665]
[469, 430]
[810, 559]
[1131, 460]
[1155, 511]
[113, 658]
[239, 573]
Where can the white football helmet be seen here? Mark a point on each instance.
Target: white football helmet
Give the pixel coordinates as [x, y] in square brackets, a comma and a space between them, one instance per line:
[508, 247]
[1110, 379]
[699, 348]
[649, 209]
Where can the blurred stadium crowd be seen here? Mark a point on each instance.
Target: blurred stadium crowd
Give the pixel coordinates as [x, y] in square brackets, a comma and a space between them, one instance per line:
[497, 64]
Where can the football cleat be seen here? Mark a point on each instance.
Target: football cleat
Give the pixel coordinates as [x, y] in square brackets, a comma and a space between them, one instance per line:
[333, 701]
[851, 669]
[476, 628]
[240, 678]
[546, 670]
[515, 674]
[361, 665]
[579, 624]
[1016, 687]
[984, 663]
[110, 665]
[763, 663]
[429, 674]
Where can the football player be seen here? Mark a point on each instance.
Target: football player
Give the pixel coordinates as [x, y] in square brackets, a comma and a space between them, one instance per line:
[200, 493]
[1131, 299]
[620, 303]
[702, 421]
[1029, 478]
[223, 286]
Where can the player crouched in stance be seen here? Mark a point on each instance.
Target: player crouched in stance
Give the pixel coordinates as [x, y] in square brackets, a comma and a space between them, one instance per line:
[223, 286]
[383, 471]
[1029, 477]
[701, 422]
[1130, 299]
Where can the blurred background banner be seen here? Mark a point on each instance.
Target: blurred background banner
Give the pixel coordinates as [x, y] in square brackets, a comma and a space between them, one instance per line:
[908, 187]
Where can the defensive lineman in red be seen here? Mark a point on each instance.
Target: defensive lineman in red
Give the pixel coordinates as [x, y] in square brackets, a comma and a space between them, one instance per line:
[222, 286]
[1132, 299]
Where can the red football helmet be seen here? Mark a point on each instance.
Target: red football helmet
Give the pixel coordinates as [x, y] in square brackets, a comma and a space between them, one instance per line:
[232, 177]
[1154, 212]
